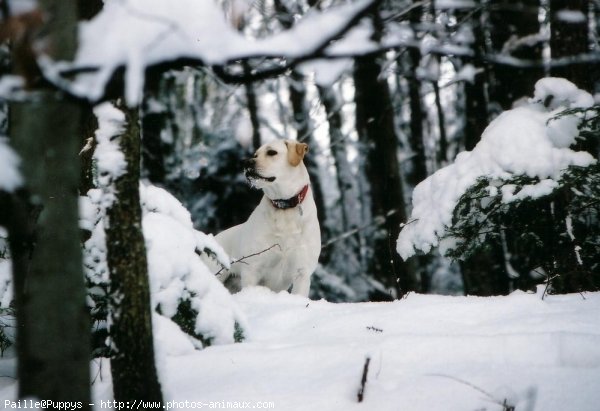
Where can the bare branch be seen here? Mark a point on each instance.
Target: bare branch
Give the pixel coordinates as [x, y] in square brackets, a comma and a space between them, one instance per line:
[377, 221]
[242, 259]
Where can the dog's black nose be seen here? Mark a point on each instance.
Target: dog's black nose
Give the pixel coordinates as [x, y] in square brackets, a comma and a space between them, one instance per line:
[248, 163]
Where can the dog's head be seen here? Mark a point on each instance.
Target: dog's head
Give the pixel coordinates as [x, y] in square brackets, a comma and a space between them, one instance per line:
[277, 168]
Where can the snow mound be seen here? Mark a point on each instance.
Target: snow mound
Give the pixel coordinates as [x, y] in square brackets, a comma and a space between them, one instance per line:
[176, 270]
[524, 141]
[177, 273]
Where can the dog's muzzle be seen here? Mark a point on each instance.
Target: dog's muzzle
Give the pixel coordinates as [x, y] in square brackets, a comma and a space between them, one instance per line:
[251, 173]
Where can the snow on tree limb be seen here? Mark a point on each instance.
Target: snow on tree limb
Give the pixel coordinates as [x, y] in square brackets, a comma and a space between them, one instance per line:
[138, 34]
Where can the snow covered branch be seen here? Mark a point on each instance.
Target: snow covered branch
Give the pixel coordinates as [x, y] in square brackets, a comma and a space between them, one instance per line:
[136, 35]
[505, 59]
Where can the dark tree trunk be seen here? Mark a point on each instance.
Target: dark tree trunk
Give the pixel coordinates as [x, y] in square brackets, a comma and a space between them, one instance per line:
[484, 274]
[418, 170]
[252, 106]
[476, 105]
[442, 157]
[375, 126]
[133, 369]
[53, 332]
[153, 147]
[53, 325]
[569, 38]
[509, 22]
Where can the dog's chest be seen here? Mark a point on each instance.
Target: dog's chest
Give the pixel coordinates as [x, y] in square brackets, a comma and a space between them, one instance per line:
[287, 224]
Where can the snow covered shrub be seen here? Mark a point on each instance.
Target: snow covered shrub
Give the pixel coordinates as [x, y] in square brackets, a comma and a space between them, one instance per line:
[182, 287]
[524, 190]
[7, 315]
[554, 236]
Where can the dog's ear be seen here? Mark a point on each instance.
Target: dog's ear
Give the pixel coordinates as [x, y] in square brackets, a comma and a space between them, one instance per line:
[296, 152]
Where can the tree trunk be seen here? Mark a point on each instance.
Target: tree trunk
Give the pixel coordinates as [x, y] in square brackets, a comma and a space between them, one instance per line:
[375, 126]
[569, 38]
[350, 249]
[442, 155]
[133, 368]
[252, 106]
[53, 326]
[418, 171]
[53, 332]
[153, 147]
[476, 106]
[509, 22]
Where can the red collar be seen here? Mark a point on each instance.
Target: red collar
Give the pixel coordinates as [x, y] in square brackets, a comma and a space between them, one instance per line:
[284, 204]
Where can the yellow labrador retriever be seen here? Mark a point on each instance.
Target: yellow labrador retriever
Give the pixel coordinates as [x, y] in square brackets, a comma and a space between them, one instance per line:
[280, 243]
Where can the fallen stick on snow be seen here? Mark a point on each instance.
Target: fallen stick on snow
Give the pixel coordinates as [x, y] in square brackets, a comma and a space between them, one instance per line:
[363, 380]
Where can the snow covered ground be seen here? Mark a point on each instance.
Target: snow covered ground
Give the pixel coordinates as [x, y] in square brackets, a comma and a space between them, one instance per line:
[427, 353]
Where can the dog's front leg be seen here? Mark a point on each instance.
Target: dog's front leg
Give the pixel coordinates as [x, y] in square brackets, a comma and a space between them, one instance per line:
[301, 283]
[249, 278]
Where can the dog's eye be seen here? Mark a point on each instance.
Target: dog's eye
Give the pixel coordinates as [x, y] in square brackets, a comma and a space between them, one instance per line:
[271, 153]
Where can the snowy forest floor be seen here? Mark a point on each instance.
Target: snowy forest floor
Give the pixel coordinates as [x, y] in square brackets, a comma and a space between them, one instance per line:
[426, 353]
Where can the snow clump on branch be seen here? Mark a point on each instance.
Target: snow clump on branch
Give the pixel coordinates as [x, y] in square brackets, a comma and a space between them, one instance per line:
[529, 140]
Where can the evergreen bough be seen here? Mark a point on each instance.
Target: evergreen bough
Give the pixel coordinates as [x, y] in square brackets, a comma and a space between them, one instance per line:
[553, 238]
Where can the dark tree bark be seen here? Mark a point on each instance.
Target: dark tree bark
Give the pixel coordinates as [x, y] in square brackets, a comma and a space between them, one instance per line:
[375, 126]
[53, 334]
[53, 326]
[476, 105]
[569, 38]
[442, 155]
[133, 369]
[153, 148]
[418, 170]
[509, 23]
[252, 106]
